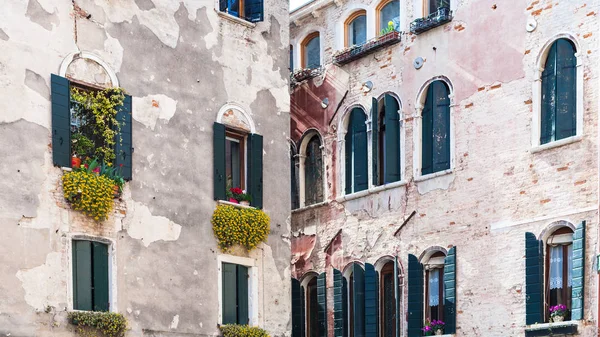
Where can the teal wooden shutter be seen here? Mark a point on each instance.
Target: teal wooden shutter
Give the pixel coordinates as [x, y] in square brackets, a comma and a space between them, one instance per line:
[61, 121]
[229, 293]
[302, 312]
[242, 295]
[360, 163]
[82, 275]
[348, 144]
[255, 170]
[297, 300]
[578, 272]
[548, 107]
[254, 10]
[124, 141]
[415, 297]
[392, 140]
[322, 302]
[427, 133]
[371, 301]
[100, 278]
[375, 140]
[450, 292]
[397, 295]
[533, 279]
[219, 172]
[338, 304]
[358, 290]
[345, 307]
[566, 89]
[441, 127]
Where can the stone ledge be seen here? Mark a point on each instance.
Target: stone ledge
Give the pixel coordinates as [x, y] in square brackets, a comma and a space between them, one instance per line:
[224, 202]
[552, 329]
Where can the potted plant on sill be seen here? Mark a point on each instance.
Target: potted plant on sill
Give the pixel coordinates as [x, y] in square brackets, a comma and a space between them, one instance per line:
[238, 196]
[558, 312]
[81, 147]
[434, 327]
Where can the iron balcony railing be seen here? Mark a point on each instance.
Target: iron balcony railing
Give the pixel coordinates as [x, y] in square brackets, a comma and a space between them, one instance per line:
[435, 19]
[355, 52]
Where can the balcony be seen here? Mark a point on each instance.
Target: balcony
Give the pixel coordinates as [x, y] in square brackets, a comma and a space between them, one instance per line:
[355, 52]
[301, 75]
[435, 19]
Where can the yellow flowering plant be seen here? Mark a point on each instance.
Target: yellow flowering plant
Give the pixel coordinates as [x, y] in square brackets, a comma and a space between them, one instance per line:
[109, 324]
[89, 192]
[240, 226]
[235, 330]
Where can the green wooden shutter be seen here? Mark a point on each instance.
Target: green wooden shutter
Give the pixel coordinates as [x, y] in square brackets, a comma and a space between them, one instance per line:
[302, 312]
[392, 140]
[219, 172]
[548, 107]
[124, 141]
[358, 290]
[242, 295]
[397, 295]
[297, 300]
[345, 307]
[255, 170]
[415, 297]
[348, 144]
[375, 140]
[61, 121]
[361, 176]
[566, 89]
[82, 275]
[578, 272]
[100, 279]
[533, 280]
[371, 301]
[229, 293]
[338, 304]
[450, 292]
[427, 133]
[441, 126]
[322, 302]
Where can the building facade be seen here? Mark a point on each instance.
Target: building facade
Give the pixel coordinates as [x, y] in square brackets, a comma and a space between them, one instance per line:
[444, 167]
[206, 90]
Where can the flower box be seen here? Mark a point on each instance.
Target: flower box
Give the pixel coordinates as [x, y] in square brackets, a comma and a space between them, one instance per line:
[303, 74]
[348, 55]
[435, 19]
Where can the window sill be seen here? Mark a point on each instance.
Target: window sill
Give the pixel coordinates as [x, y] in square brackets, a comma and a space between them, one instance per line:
[433, 175]
[235, 19]
[317, 205]
[352, 196]
[552, 329]
[557, 143]
[223, 202]
[387, 186]
[371, 190]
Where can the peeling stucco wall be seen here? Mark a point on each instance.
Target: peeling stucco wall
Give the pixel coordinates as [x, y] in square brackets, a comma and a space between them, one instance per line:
[181, 62]
[499, 188]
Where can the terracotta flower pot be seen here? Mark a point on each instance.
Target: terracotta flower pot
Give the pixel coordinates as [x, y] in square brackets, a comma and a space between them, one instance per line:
[558, 318]
[75, 162]
[116, 191]
[245, 203]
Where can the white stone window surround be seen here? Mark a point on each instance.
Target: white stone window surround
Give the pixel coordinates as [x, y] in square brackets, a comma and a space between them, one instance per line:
[537, 96]
[64, 66]
[351, 9]
[306, 137]
[417, 131]
[112, 268]
[297, 46]
[252, 285]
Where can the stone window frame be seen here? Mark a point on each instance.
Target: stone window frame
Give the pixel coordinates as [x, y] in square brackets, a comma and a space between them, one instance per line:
[253, 282]
[304, 43]
[425, 260]
[306, 137]
[296, 44]
[341, 25]
[112, 268]
[537, 95]
[348, 22]
[64, 66]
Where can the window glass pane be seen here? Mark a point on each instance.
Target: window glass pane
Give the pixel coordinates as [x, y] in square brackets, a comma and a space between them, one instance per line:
[390, 12]
[313, 53]
[435, 4]
[434, 286]
[556, 267]
[234, 7]
[232, 162]
[357, 30]
[313, 172]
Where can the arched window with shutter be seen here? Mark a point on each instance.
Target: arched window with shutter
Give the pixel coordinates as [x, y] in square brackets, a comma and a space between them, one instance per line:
[435, 129]
[385, 124]
[355, 145]
[312, 169]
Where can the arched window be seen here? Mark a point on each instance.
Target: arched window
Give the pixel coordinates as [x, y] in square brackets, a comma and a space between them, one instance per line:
[356, 28]
[433, 5]
[434, 287]
[385, 122]
[559, 260]
[559, 93]
[355, 294]
[311, 51]
[388, 293]
[313, 172]
[356, 152]
[294, 177]
[388, 11]
[435, 129]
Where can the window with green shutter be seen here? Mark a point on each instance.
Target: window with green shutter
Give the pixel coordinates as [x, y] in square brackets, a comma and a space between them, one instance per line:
[356, 152]
[415, 297]
[322, 304]
[234, 294]
[385, 137]
[90, 276]
[313, 171]
[388, 292]
[435, 129]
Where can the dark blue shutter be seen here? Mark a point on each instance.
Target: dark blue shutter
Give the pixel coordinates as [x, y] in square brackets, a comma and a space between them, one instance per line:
[441, 127]
[450, 292]
[345, 307]
[229, 293]
[578, 272]
[371, 301]
[124, 141]
[61, 121]
[397, 295]
[255, 170]
[415, 297]
[302, 312]
[219, 174]
[223, 5]
[566, 89]
[254, 10]
[427, 133]
[100, 279]
[82, 275]
[348, 151]
[233, 7]
[360, 163]
[242, 295]
[297, 321]
[375, 140]
[548, 107]
[533, 279]
[322, 302]
[358, 290]
[392, 140]
[338, 303]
